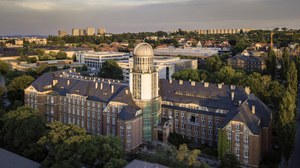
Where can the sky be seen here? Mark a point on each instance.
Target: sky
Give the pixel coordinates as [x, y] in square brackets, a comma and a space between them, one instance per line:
[46, 17]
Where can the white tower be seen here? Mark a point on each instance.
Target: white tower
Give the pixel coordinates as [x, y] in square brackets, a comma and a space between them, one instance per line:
[144, 88]
[143, 78]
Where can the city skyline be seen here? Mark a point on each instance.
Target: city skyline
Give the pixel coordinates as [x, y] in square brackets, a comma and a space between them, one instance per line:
[45, 17]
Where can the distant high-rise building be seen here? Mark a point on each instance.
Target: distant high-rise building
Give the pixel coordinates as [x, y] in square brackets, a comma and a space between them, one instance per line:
[101, 31]
[222, 31]
[82, 32]
[62, 33]
[90, 31]
[75, 32]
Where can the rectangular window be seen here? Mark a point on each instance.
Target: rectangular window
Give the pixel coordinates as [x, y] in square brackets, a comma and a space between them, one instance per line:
[237, 151]
[203, 120]
[237, 126]
[210, 121]
[108, 120]
[246, 138]
[113, 121]
[229, 135]
[237, 137]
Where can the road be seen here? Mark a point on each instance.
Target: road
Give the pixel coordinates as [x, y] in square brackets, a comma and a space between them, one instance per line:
[295, 158]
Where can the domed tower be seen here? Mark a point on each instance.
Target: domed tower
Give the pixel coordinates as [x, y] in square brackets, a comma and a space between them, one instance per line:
[144, 88]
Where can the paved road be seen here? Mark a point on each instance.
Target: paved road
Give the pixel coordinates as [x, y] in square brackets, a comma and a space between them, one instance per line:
[295, 159]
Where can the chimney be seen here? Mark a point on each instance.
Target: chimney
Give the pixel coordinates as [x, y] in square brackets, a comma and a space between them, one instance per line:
[240, 102]
[68, 82]
[96, 85]
[193, 83]
[232, 87]
[108, 81]
[112, 88]
[170, 81]
[101, 86]
[54, 82]
[180, 82]
[126, 91]
[206, 84]
[219, 85]
[232, 95]
[253, 109]
[247, 90]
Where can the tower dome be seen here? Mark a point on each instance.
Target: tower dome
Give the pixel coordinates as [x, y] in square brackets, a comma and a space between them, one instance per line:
[143, 50]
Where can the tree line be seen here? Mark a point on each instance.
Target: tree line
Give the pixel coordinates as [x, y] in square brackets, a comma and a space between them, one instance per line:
[25, 132]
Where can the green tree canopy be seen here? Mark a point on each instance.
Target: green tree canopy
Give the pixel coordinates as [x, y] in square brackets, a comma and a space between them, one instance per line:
[223, 144]
[21, 130]
[61, 55]
[187, 74]
[292, 79]
[271, 63]
[286, 124]
[111, 69]
[226, 75]
[17, 86]
[229, 160]
[4, 67]
[183, 154]
[71, 146]
[213, 63]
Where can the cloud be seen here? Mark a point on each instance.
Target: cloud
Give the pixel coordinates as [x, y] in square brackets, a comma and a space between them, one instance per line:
[46, 17]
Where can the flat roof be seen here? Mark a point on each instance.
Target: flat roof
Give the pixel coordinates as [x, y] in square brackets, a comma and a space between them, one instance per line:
[12, 160]
[143, 164]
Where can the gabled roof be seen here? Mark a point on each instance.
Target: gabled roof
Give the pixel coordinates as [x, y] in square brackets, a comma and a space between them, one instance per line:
[96, 89]
[254, 121]
[211, 96]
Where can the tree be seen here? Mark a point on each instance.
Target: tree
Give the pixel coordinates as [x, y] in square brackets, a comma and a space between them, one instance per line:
[240, 46]
[226, 75]
[271, 63]
[292, 81]
[286, 124]
[229, 160]
[84, 68]
[184, 154]
[213, 63]
[187, 74]
[285, 63]
[32, 60]
[61, 55]
[111, 69]
[17, 86]
[4, 67]
[223, 143]
[71, 146]
[21, 130]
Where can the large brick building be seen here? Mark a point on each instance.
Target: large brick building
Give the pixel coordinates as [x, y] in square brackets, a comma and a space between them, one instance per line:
[148, 109]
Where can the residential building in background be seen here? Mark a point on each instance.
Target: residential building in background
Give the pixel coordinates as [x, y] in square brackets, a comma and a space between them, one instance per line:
[96, 59]
[75, 32]
[62, 33]
[19, 42]
[82, 32]
[248, 63]
[148, 109]
[196, 52]
[166, 66]
[90, 31]
[222, 31]
[101, 31]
